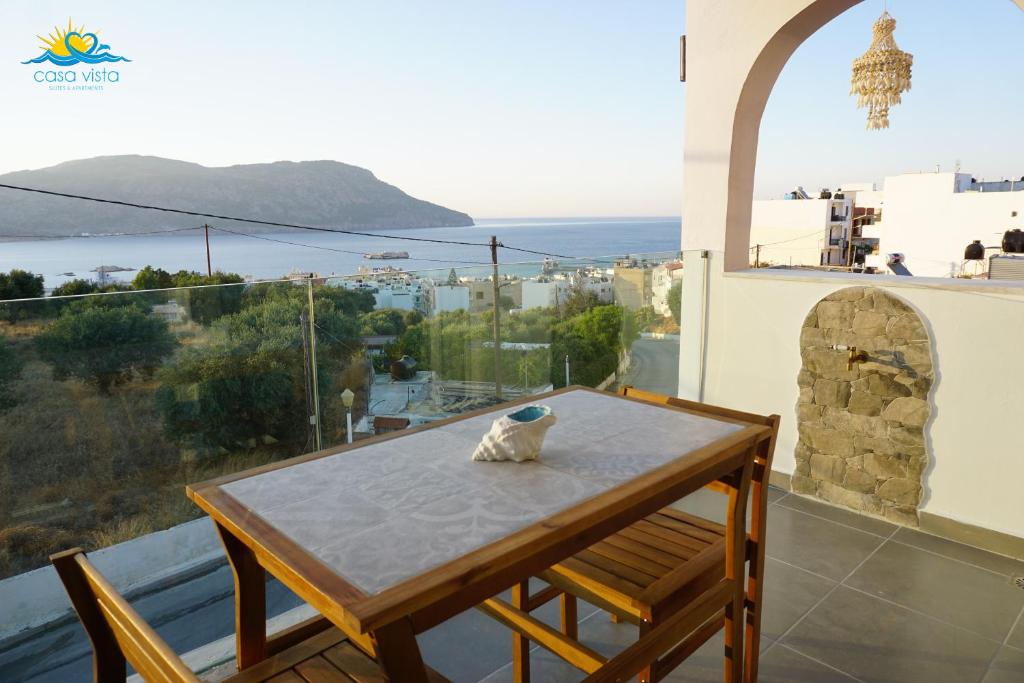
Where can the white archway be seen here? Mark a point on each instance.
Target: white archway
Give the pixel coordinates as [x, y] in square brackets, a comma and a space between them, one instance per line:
[736, 50]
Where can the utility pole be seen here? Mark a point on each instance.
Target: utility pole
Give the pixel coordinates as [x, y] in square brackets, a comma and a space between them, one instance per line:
[209, 269]
[757, 256]
[313, 369]
[497, 318]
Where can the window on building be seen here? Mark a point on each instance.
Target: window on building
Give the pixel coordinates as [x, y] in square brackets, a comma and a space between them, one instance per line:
[479, 295]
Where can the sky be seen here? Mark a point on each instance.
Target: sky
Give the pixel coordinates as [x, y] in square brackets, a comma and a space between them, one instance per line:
[506, 108]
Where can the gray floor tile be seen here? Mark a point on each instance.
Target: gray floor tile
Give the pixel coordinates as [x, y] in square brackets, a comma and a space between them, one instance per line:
[597, 632]
[789, 592]
[467, 648]
[783, 665]
[959, 551]
[776, 494]
[839, 515]
[976, 599]
[472, 645]
[877, 641]
[1008, 667]
[704, 666]
[711, 504]
[815, 544]
[704, 503]
[1017, 636]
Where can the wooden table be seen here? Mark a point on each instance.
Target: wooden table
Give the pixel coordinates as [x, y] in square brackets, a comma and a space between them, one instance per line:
[393, 535]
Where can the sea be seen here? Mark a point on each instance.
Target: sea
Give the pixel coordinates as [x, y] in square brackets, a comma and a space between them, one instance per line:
[266, 256]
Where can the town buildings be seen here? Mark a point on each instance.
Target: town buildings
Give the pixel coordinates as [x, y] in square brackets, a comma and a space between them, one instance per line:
[917, 224]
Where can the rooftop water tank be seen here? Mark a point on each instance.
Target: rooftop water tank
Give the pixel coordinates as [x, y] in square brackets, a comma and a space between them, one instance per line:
[1013, 241]
[403, 368]
[975, 251]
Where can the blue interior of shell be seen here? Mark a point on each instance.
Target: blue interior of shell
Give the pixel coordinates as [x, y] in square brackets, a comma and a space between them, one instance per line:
[529, 413]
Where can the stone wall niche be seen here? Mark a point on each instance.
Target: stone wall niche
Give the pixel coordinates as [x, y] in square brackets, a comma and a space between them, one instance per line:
[862, 443]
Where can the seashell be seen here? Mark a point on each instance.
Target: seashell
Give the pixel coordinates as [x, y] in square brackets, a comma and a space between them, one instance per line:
[517, 436]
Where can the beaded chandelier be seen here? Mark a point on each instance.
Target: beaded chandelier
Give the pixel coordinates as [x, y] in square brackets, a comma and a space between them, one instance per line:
[881, 73]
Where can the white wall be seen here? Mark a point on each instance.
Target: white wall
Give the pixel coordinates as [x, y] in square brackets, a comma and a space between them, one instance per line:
[792, 222]
[975, 442]
[450, 298]
[543, 294]
[749, 356]
[926, 220]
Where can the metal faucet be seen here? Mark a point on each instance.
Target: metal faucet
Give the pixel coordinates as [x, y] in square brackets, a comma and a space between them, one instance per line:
[853, 356]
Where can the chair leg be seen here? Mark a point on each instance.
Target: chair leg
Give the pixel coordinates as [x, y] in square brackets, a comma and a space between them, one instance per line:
[734, 641]
[570, 618]
[646, 674]
[752, 639]
[520, 644]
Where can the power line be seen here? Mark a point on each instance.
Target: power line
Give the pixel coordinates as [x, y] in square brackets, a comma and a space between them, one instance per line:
[255, 221]
[340, 251]
[793, 239]
[531, 251]
[201, 214]
[248, 220]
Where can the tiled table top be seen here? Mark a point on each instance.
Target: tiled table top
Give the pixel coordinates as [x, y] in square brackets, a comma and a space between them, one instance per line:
[385, 512]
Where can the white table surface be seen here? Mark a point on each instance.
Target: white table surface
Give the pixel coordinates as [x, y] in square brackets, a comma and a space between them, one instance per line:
[385, 512]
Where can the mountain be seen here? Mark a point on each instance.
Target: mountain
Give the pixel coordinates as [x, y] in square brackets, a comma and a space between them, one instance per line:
[318, 193]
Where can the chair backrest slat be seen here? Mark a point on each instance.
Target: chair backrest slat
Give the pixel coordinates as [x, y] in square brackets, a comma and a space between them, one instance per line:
[112, 624]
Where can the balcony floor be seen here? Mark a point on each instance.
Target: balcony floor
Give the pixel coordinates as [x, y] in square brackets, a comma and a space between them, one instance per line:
[849, 598]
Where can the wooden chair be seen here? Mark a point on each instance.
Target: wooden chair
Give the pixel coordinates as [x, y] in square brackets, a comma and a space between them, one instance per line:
[650, 570]
[311, 650]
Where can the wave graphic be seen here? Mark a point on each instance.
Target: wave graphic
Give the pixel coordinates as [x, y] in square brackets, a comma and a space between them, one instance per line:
[96, 54]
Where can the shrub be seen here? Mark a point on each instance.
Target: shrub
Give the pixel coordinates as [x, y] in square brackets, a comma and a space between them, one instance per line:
[103, 344]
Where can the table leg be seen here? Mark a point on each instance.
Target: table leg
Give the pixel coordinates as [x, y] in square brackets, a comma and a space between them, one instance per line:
[250, 601]
[398, 654]
[520, 644]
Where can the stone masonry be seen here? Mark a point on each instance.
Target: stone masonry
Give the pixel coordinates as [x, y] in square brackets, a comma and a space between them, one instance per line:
[862, 443]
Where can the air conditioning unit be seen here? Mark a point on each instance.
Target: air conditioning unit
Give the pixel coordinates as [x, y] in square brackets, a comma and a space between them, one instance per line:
[1006, 267]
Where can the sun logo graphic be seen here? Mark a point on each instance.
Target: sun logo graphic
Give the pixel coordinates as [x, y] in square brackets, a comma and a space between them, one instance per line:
[71, 46]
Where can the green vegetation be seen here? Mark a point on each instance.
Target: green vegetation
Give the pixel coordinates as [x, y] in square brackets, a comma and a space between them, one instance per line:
[110, 404]
[203, 301]
[457, 344]
[10, 368]
[675, 300]
[105, 345]
[18, 284]
[249, 382]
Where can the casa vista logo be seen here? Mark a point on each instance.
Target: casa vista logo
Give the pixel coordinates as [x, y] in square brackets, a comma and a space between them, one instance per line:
[75, 47]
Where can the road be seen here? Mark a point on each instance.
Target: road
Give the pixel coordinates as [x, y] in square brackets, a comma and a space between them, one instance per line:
[654, 366]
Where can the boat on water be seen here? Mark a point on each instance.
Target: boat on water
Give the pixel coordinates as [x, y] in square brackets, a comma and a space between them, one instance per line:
[385, 255]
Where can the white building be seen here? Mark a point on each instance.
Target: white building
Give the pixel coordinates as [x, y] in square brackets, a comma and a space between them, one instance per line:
[391, 287]
[447, 297]
[931, 217]
[807, 232]
[926, 218]
[662, 279]
[544, 292]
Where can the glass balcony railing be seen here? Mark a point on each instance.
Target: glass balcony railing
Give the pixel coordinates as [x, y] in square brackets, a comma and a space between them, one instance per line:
[111, 403]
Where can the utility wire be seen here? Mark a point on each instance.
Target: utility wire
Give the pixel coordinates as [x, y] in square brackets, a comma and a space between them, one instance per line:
[340, 251]
[200, 214]
[531, 251]
[793, 239]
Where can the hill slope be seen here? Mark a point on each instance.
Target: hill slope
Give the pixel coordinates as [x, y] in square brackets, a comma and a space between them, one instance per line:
[320, 193]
